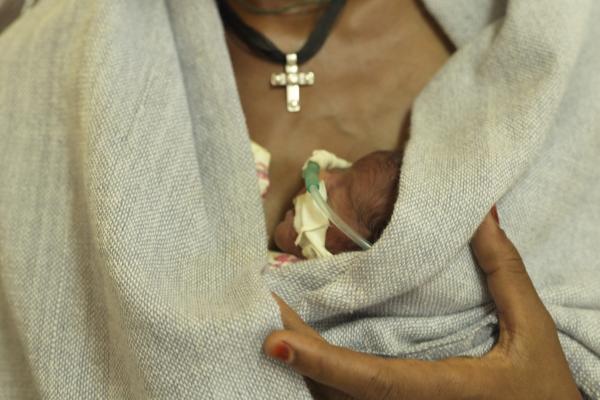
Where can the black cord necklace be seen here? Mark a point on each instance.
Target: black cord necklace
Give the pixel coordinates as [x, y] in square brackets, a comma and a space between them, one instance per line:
[292, 79]
[292, 7]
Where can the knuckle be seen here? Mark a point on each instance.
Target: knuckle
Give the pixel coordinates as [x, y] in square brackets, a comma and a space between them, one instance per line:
[514, 263]
[506, 262]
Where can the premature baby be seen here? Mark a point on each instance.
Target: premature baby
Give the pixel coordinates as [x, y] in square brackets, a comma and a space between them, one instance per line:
[362, 194]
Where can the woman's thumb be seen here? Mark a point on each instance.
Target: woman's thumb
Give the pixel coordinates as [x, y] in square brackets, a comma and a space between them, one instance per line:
[336, 367]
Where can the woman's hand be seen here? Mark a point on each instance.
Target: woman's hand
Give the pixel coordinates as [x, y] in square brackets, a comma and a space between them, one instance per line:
[526, 363]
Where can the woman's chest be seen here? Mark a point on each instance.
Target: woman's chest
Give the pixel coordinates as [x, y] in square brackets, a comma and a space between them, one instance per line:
[367, 75]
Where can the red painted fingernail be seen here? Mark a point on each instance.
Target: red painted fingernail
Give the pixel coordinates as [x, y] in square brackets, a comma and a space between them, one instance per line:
[282, 352]
[495, 214]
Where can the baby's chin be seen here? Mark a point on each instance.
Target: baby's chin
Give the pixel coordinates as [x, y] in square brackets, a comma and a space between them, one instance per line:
[285, 236]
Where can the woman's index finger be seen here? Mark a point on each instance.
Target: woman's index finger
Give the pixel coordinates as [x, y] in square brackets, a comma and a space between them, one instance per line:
[517, 302]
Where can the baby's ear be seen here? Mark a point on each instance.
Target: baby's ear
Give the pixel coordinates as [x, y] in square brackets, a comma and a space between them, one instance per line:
[376, 227]
[381, 213]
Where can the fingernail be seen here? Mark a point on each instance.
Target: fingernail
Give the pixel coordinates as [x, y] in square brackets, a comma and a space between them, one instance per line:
[495, 214]
[282, 352]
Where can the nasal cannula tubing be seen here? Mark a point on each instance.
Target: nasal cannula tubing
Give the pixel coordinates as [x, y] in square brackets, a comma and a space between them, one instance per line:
[311, 180]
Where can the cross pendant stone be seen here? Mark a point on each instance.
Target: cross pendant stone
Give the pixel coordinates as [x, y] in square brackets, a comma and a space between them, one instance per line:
[292, 79]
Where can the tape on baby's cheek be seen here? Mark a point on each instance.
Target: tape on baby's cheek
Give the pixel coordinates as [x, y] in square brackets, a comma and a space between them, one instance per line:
[327, 160]
[311, 225]
[310, 222]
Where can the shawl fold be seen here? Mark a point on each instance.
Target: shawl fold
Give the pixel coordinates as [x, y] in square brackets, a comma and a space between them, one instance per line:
[132, 235]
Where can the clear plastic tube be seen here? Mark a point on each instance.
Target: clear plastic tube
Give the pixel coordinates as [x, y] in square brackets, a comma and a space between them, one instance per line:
[336, 220]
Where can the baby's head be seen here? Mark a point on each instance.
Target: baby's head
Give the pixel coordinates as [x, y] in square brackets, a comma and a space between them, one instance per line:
[362, 195]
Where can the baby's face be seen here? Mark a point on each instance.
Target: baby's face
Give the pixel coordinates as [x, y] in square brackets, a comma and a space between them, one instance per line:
[346, 188]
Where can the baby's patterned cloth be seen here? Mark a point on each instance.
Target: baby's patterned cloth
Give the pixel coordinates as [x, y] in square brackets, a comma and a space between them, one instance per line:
[262, 160]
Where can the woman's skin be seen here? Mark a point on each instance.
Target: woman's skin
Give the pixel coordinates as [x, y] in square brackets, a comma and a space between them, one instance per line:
[526, 363]
[346, 193]
[377, 59]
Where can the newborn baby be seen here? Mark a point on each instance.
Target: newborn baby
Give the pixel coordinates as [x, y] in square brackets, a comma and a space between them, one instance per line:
[363, 195]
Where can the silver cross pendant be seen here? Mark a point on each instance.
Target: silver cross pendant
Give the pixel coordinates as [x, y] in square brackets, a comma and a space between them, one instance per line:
[292, 79]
